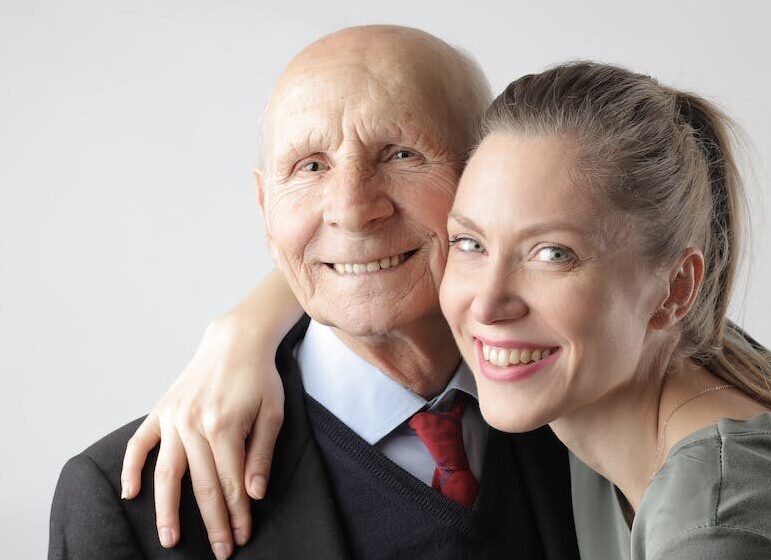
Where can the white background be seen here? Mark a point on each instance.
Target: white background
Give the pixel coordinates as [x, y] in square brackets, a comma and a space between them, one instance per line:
[127, 213]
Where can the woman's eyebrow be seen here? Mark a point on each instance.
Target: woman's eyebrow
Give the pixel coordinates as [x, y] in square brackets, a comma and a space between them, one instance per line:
[466, 222]
[549, 227]
[527, 232]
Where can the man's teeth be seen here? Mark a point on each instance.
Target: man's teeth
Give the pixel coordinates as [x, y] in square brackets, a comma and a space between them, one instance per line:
[503, 357]
[374, 266]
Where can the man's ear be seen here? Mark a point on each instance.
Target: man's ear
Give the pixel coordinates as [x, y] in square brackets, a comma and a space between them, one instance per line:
[259, 179]
[685, 279]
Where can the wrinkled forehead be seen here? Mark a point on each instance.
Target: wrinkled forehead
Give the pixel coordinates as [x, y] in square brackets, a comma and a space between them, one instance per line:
[318, 106]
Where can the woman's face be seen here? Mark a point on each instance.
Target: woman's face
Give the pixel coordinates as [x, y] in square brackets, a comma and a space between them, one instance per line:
[544, 290]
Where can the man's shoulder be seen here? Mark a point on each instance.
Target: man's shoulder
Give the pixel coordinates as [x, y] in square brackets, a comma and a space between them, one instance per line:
[97, 468]
[88, 518]
[107, 452]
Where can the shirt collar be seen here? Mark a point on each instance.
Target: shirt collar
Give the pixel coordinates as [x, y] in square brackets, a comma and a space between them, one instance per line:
[364, 398]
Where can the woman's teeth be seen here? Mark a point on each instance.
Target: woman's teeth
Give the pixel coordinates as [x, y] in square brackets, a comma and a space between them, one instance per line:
[374, 266]
[503, 357]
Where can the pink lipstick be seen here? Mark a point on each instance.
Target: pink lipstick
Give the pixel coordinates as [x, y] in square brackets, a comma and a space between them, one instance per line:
[512, 372]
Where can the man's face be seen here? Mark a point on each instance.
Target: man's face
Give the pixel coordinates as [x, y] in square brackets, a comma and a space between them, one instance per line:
[361, 171]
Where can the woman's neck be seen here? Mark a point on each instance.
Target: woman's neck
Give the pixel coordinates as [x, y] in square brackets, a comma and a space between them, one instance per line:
[617, 436]
[627, 436]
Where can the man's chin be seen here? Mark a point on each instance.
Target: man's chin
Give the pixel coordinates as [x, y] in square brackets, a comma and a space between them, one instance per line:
[361, 327]
[373, 320]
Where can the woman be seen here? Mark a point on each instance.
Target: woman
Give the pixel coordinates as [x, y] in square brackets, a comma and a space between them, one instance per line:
[594, 241]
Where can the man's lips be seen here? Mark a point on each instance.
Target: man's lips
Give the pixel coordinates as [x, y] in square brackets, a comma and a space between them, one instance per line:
[360, 267]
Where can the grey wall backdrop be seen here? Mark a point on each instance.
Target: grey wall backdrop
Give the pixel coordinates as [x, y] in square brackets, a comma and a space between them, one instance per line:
[127, 214]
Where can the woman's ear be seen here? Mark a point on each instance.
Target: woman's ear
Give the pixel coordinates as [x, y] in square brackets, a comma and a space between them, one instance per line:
[685, 279]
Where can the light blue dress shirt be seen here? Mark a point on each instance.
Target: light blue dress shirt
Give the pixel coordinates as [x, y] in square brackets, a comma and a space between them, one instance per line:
[376, 407]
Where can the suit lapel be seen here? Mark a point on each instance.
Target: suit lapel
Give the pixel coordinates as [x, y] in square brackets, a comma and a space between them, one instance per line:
[298, 517]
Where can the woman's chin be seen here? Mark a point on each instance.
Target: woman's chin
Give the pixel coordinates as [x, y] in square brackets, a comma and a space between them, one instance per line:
[509, 417]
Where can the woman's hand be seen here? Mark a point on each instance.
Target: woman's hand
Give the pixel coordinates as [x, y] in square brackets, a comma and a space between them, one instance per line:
[226, 393]
[222, 417]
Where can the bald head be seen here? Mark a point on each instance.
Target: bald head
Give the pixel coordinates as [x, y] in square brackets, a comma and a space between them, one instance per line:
[388, 64]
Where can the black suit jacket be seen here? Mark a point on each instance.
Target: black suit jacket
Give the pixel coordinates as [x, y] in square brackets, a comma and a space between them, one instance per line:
[298, 517]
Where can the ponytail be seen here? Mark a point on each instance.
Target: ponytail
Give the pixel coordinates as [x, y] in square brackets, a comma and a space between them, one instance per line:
[709, 337]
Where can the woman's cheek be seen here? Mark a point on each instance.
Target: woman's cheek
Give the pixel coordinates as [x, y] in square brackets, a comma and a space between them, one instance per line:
[452, 296]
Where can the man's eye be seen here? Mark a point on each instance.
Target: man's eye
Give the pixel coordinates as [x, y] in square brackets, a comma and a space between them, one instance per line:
[312, 166]
[466, 245]
[554, 254]
[403, 154]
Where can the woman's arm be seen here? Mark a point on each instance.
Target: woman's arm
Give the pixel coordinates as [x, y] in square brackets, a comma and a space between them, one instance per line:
[222, 417]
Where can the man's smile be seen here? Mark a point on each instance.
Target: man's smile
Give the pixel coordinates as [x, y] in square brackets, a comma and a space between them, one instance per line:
[392, 261]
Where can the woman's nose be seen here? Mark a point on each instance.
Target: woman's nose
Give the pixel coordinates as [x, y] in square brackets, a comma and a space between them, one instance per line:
[498, 299]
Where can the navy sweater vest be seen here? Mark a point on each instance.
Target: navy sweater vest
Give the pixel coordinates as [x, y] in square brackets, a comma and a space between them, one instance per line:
[388, 513]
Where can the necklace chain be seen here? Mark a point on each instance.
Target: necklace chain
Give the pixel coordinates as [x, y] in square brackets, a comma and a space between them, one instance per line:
[681, 404]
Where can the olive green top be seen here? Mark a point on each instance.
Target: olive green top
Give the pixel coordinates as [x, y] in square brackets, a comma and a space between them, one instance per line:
[601, 529]
[711, 500]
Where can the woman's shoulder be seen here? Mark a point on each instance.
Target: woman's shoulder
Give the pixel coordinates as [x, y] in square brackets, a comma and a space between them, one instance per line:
[713, 487]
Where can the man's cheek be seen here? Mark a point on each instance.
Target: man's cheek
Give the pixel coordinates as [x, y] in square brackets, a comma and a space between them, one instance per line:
[289, 202]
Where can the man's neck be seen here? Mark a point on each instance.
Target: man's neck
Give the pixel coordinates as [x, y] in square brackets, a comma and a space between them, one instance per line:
[421, 356]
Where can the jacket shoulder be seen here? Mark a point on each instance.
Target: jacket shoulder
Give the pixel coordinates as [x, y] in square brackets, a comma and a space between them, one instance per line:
[86, 498]
[107, 453]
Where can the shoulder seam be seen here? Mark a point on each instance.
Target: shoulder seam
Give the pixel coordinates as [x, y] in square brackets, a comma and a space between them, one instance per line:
[720, 477]
[718, 434]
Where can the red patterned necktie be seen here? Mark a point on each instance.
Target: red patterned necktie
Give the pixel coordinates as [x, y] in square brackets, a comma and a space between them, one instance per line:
[442, 434]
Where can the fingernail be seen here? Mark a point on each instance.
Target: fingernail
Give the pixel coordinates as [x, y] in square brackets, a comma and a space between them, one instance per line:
[167, 537]
[257, 486]
[220, 550]
[125, 487]
[239, 536]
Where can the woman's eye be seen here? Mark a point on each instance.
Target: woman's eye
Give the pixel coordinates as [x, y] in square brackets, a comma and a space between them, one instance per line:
[554, 254]
[467, 245]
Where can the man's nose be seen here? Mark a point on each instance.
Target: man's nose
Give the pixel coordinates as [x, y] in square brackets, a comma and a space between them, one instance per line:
[498, 298]
[356, 200]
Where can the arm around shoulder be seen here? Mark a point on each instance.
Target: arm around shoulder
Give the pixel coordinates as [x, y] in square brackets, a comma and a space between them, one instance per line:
[87, 517]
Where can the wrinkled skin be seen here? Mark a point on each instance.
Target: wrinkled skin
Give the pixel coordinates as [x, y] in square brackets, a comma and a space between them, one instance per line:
[359, 170]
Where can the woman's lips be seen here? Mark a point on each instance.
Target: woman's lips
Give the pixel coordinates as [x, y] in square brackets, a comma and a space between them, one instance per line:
[513, 372]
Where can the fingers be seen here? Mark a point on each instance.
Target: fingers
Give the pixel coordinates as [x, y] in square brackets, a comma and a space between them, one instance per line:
[208, 493]
[141, 443]
[259, 448]
[229, 461]
[169, 469]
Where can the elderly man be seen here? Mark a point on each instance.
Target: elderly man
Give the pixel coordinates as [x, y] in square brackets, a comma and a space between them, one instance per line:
[383, 453]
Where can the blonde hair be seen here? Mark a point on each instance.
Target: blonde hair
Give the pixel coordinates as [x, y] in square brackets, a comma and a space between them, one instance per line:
[666, 157]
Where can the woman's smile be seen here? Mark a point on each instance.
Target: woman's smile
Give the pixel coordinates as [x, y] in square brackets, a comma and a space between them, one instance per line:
[513, 361]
